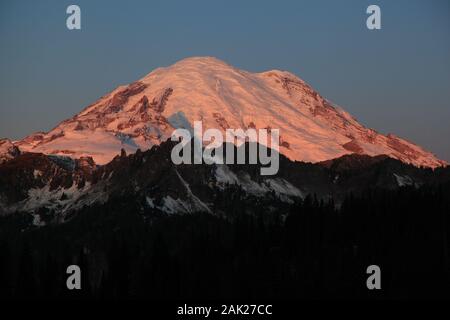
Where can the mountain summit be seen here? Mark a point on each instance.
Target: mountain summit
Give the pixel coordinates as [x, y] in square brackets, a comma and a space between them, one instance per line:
[144, 113]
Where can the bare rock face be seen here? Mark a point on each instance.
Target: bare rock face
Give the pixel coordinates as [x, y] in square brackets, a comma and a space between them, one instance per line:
[206, 89]
[353, 147]
[8, 150]
[120, 98]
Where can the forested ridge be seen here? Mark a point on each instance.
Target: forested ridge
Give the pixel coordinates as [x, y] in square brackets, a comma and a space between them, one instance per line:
[310, 249]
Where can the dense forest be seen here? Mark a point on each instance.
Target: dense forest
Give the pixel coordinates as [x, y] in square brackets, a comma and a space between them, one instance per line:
[309, 249]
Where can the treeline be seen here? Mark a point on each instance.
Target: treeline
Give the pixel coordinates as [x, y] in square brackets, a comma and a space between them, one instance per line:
[311, 249]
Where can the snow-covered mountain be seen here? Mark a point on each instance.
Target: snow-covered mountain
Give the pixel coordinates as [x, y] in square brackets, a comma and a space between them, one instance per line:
[206, 89]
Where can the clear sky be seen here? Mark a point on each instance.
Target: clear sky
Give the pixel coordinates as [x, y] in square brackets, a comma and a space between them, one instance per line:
[395, 80]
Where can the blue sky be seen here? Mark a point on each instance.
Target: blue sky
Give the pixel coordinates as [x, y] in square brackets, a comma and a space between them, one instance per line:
[396, 80]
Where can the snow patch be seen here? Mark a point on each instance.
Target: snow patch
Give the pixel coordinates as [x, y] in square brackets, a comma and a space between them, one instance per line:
[284, 190]
[37, 221]
[150, 202]
[37, 174]
[403, 180]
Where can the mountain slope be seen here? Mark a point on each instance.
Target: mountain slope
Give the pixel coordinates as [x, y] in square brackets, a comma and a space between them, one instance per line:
[145, 113]
[54, 188]
[8, 150]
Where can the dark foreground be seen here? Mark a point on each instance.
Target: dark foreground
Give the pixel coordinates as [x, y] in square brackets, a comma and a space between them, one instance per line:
[307, 250]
